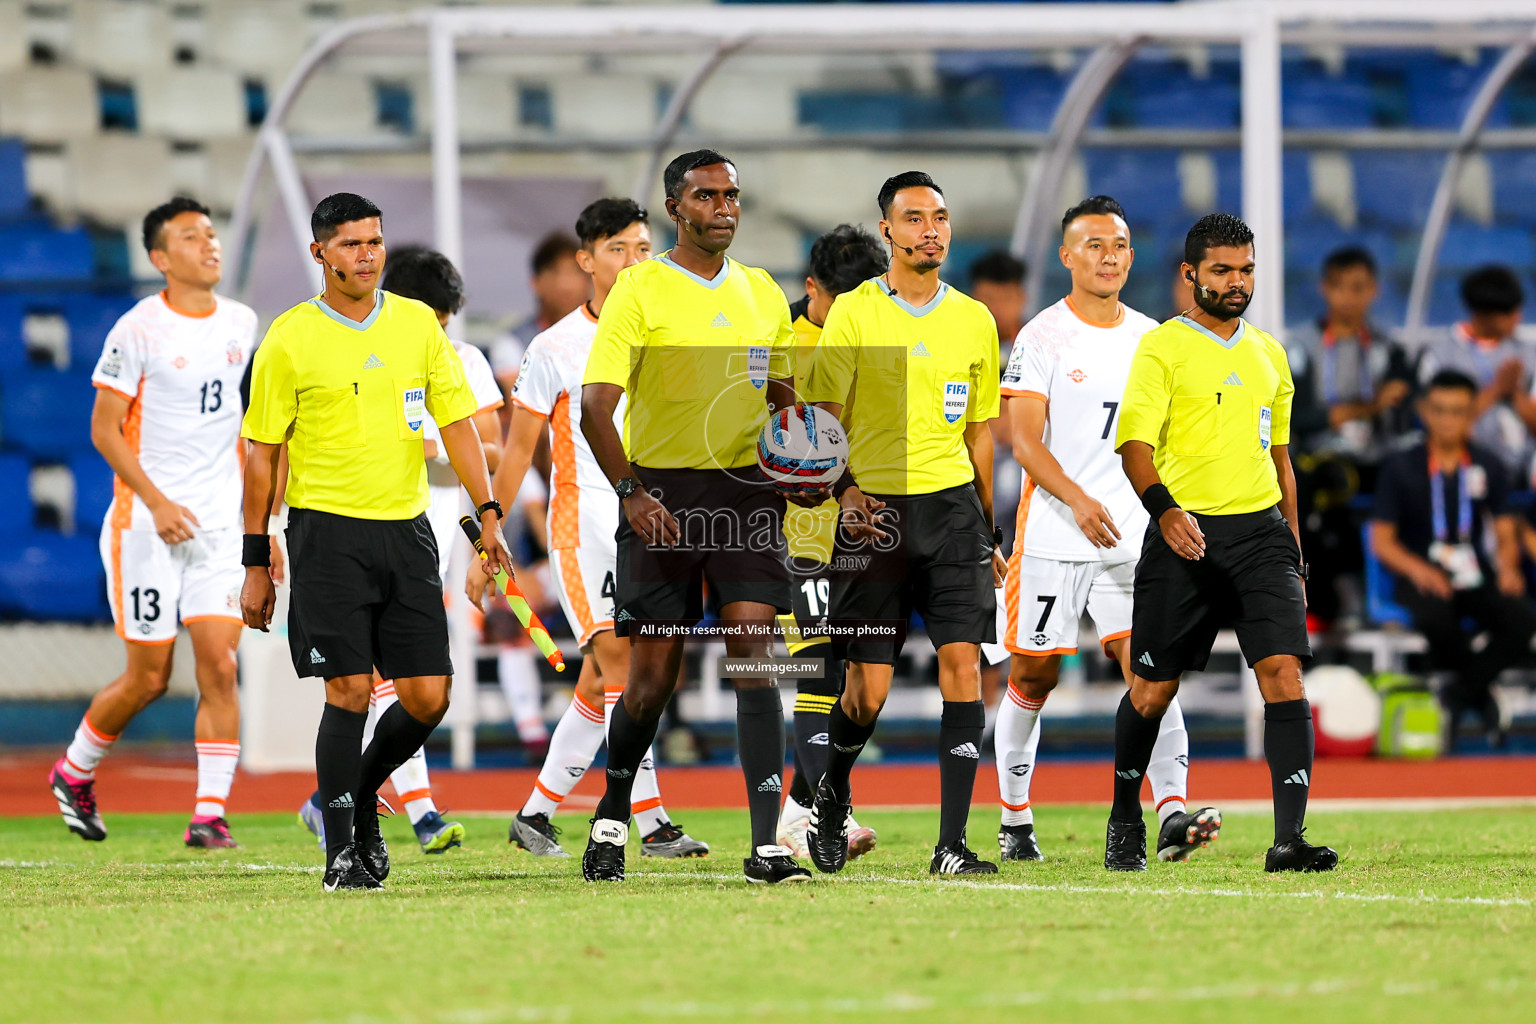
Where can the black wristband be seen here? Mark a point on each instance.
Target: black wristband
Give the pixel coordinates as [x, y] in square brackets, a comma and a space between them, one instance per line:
[843, 483]
[257, 550]
[1156, 500]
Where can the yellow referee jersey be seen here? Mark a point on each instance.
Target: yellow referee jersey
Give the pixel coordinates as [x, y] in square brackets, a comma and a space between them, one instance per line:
[350, 397]
[809, 532]
[694, 356]
[920, 373]
[1211, 410]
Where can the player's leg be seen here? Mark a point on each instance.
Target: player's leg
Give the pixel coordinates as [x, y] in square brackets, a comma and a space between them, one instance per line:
[960, 726]
[517, 670]
[217, 729]
[849, 727]
[412, 782]
[572, 746]
[810, 594]
[143, 588]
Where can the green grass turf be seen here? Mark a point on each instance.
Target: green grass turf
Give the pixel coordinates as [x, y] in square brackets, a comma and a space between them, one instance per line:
[1430, 917]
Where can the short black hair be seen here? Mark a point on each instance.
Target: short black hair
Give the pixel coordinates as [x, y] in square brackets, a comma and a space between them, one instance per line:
[1215, 230]
[998, 266]
[1093, 205]
[340, 208]
[896, 182]
[155, 220]
[607, 217]
[1348, 256]
[416, 272]
[677, 170]
[1452, 380]
[846, 257]
[1492, 288]
[552, 248]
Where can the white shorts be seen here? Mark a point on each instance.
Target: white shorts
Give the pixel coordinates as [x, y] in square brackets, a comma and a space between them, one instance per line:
[443, 512]
[584, 580]
[1046, 600]
[152, 585]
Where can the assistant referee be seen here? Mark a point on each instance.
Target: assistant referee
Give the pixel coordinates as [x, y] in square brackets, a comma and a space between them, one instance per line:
[345, 380]
[1204, 438]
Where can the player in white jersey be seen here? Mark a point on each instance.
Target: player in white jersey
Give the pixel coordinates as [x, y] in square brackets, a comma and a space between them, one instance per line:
[167, 420]
[1079, 521]
[416, 272]
[583, 523]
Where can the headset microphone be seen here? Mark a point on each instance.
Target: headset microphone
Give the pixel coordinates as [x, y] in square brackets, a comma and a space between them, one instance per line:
[1209, 293]
[909, 250]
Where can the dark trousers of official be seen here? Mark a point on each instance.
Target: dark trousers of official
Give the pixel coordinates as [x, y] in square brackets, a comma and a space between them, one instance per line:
[1509, 622]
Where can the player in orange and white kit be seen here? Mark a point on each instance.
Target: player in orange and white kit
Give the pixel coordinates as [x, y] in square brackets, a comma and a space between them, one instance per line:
[167, 420]
[1079, 523]
[583, 523]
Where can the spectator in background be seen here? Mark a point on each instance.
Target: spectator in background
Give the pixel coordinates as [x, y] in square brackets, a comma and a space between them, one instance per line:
[1351, 378]
[1484, 348]
[559, 286]
[1180, 292]
[1429, 529]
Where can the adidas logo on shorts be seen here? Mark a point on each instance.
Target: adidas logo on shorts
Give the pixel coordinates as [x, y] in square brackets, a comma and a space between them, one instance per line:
[772, 784]
[967, 750]
[315, 657]
[1146, 659]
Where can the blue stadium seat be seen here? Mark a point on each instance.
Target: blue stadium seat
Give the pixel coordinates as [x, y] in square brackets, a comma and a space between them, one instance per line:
[45, 575]
[1394, 189]
[1143, 180]
[13, 179]
[32, 251]
[93, 491]
[1379, 584]
[90, 316]
[1440, 91]
[1312, 100]
[1030, 97]
[13, 345]
[1514, 184]
[1471, 245]
[46, 413]
[15, 494]
[1296, 183]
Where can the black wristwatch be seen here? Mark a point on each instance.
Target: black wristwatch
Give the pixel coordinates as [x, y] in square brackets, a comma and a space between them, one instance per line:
[997, 536]
[625, 487]
[1304, 570]
[493, 504]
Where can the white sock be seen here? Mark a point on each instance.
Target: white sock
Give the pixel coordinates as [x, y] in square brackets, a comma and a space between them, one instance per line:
[1017, 741]
[216, 760]
[645, 796]
[519, 678]
[86, 751]
[577, 736]
[1168, 771]
[793, 810]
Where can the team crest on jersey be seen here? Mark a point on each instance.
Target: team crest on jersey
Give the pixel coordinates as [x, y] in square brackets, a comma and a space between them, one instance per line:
[757, 365]
[233, 354]
[957, 396]
[112, 365]
[414, 405]
[180, 362]
[1077, 376]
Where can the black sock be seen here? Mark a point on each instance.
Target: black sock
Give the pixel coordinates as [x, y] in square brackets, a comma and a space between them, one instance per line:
[845, 738]
[628, 740]
[1288, 749]
[1135, 737]
[760, 745]
[398, 735]
[338, 766]
[813, 705]
[960, 728]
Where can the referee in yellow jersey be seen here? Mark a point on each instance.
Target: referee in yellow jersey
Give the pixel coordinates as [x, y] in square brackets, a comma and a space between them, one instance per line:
[702, 347]
[917, 360]
[1204, 437]
[345, 380]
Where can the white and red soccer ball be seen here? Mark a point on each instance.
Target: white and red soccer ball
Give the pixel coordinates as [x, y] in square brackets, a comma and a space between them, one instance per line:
[802, 449]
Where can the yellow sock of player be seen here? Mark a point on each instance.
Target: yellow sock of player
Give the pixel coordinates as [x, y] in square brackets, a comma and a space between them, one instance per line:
[216, 760]
[86, 750]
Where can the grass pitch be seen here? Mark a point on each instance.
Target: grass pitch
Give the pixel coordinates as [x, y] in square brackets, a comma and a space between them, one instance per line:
[1430, 917]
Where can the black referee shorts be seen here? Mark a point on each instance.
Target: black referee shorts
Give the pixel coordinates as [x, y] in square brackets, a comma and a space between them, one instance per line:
[936, 562]
[731, 524]
[1247, 579]
[365, 594]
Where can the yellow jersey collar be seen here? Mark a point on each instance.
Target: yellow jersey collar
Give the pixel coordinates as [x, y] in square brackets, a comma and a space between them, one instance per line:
[924, 309]
[356, 325]
[1227, 343]
[716, 282]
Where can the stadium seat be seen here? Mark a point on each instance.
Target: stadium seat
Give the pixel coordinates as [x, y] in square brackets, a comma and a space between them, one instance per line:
[13, 45]
[1296, 182]
[45, 575]
[604, 107]
[115, 178]
[49, 104]
[1471, 245]
[195, 104]
[1514, 184]
[1143, 180]
[487, 106]
[34, 251]
[1440, 90]
[1164, 94]
[1394, 189]
[119, 38]
[732, 100]
[1030, 96]
[13, 179]
[1313, 100]
[13, 343]
[93, 491]
[224, 163]
[1380, 608]
[257, 37]
[46, 413]
[90, 316]
[16, 490]
[330, 99]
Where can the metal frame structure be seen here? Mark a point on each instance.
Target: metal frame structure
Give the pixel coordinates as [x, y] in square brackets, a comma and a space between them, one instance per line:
[1258, 27]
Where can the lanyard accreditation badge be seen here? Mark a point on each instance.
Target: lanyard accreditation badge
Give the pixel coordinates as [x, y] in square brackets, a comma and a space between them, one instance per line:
[1458, 559]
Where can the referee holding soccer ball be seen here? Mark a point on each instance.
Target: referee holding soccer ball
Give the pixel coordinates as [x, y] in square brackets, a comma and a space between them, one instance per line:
[345, 380]
[1204, 438]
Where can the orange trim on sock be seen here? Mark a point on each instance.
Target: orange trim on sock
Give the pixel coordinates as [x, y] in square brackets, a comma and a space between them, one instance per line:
[556, 797]
[96, 734]
[645, 805]
[76, 768]
[424, 793]
[588, 711]
[1010, 807]
[1165, 799]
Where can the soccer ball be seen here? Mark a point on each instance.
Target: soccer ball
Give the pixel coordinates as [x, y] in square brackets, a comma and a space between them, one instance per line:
[802, 449]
